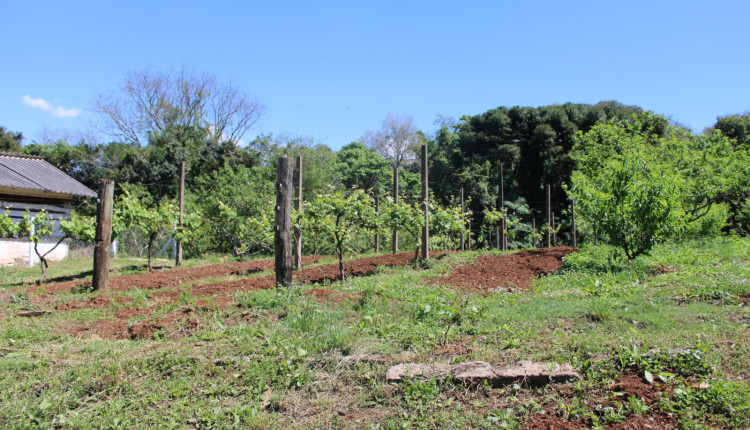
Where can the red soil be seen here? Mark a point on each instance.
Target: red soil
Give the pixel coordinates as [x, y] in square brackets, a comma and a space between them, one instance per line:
[489, 274]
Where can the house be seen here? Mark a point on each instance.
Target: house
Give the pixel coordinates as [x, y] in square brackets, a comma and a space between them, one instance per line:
[28, 182]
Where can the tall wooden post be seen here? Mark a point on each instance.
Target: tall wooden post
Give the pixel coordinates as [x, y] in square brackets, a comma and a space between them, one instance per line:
[377, 213]
[533, 229]
[395, 200]
[298, 206]
[463, 211]
[501, 205]
[554, 232]
[549, 217]
[425, 206]
[181, 203]
[103, 235]
[573, 222]
[282, 239]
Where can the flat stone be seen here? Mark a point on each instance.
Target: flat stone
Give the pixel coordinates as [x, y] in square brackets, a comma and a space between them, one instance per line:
[475, 372]
[472, 371]
[403, 371]
[33, 313]
[535, 373]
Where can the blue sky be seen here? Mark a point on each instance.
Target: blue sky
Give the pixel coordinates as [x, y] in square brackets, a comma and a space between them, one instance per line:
[333, 70]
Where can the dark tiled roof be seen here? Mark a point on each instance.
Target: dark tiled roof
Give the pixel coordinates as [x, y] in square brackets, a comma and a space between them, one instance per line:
[33, 173]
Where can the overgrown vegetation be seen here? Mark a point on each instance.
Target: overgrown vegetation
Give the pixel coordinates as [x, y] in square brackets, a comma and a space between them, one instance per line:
[280, 359]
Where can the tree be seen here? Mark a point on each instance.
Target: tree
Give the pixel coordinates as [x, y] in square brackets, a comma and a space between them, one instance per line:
[403, 216]
[40, 226]
[736, 127]
[236, 206]
[626, 189]
[362, 168]
[154, 102]
[10, 141]
[397, 141]
[341, 217]
[137, 209]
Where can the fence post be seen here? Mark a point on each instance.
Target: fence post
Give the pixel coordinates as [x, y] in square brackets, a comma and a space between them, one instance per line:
[573, 222]
[425, 207]
[554, 232]
[395, 201]
[377, 213]
[103, 237]
[549, 217]
[298, 204]
[533, 230]
[181, 198]
[501, 246]
[282, 239]
[463, 211]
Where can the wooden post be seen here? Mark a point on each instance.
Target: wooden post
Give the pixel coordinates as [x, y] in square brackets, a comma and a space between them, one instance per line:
[298, 206]
[573, 222]
[461, 243]
[533, 229]
[425, 206]
[395, 200]
[282, 239]
[103, 236]
[554, 233]
[181, 203]
[468, 237]
[501, 204]
[549, 217]
[377, 213]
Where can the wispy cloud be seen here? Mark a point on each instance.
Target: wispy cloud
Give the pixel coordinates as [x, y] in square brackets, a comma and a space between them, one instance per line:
[57, 111]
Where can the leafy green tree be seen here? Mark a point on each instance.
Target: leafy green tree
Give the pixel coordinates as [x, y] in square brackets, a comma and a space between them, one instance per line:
[10, 141]
[625, 190]
[447, 222]
[137, 209]
[236, 208]
[363, 168]
[341, 217]
[404, 217]
[42, 226]
[736, 127]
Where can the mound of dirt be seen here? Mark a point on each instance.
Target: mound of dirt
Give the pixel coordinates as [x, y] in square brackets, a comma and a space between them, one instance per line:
[519, 270]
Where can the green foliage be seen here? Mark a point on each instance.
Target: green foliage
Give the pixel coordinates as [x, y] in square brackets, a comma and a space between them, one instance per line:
[404, 217]
[10, 141]
[340, 217]
[363, 168]
[723, 400]
[235, 205]
[137, 209]
[624, 190]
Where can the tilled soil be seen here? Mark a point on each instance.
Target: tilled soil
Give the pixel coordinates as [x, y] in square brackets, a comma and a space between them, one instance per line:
[487, 274]
[517, 271]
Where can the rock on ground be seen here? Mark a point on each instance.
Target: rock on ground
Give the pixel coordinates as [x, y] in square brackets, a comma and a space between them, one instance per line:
[474, 372]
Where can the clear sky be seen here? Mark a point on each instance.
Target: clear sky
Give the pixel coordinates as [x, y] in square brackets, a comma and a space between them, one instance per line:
[333, 70]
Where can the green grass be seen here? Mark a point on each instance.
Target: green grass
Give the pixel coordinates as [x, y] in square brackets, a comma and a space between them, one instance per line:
[281, 360]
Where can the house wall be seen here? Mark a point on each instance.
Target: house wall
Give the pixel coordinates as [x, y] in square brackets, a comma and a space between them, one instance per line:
[16, 250]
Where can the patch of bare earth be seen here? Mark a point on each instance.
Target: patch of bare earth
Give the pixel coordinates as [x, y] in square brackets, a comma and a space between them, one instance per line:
[489, 274]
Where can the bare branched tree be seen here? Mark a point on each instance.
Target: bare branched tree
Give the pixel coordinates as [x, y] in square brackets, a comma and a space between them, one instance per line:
[151, 101]
[396, 140]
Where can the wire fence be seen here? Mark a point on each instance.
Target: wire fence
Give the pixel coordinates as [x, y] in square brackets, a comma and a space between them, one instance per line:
[129, 243]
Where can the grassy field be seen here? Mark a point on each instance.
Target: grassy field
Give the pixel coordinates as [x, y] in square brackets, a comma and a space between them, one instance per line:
[679, 317]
